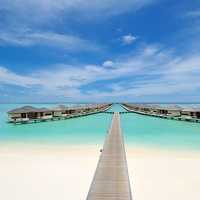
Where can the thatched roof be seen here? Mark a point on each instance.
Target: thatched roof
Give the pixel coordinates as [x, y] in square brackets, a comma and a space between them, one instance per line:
[30, 109]
[156, 107]
[27, 109]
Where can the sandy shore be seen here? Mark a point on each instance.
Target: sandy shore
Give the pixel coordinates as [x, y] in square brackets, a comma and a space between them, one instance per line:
[44, 172]
[164, 175]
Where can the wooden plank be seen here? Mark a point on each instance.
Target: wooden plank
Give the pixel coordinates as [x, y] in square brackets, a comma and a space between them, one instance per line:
[111, 180]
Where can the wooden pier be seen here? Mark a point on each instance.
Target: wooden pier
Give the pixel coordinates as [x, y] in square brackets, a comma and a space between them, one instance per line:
[111, 180]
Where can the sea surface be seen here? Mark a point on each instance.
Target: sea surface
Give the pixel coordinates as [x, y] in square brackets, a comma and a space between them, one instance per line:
[139, 130]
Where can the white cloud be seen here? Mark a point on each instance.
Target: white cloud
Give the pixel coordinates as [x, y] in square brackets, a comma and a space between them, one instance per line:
[150, 71]
[27, 38]
[108, 63]
[128, 39]
[9, 77]
[75, 76]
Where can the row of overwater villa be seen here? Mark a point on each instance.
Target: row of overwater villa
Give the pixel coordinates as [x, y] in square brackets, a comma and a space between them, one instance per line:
[172, 112]
[30, 114]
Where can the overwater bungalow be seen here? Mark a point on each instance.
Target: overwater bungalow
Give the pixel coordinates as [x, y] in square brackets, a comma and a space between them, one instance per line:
[168, 111]
[141, 108]
[155, 109]
[63, 111]
[171, 112]
[32, 114]
[27, 113]
[191, 112]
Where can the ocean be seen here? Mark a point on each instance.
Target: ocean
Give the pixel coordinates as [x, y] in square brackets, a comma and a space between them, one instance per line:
[139, 130]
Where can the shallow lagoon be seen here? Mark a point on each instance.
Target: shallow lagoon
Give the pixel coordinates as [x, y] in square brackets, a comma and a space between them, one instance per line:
[139, 130]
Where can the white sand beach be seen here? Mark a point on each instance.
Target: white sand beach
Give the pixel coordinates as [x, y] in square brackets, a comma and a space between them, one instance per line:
[167, 175]
[53, 172]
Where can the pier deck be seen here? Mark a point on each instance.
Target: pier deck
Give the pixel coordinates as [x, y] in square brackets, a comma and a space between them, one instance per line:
[111, 180]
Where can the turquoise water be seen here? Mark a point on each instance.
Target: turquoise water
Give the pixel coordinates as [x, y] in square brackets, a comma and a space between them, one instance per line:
[138, 130]
[150, 131]
[116, 108]
[85, 130]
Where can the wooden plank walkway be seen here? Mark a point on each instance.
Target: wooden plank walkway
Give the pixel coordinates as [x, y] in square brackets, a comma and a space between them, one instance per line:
[111, 180]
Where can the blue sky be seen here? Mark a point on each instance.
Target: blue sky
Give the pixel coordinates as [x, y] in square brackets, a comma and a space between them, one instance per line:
[104, 50]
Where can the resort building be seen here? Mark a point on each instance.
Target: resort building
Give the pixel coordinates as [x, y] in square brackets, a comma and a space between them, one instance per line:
[140, 108]
[172, 111]
[30, 113]
[191, 112]
[154, 109]
[27, 113]
[61, 111]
